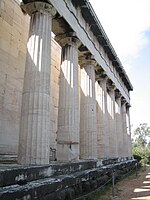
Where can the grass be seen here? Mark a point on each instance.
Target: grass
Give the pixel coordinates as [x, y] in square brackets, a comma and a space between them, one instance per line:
[107, 190]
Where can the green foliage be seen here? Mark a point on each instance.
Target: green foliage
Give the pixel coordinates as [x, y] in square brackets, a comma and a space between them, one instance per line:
[142, 154]
[140, 147]
[141, 133]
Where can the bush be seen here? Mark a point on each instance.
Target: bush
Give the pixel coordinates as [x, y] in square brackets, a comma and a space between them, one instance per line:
[142, 154]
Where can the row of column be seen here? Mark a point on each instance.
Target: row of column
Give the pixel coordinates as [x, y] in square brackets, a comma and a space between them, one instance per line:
[90, 125]
[113, 122]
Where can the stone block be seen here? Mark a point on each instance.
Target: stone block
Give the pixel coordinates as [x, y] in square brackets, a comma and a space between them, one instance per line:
[9, 9]
[6, 17]
[5, 35]
[70, 180]
[17, 19]
[5, 45]
[10, 176]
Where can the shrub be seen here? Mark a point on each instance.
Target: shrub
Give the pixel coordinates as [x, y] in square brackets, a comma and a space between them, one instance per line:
[142, 154]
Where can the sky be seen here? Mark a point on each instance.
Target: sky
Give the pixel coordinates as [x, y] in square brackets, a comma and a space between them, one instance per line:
[127, 25]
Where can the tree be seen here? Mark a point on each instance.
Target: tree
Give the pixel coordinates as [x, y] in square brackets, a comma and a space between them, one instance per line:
[141, 133]
[141, 146]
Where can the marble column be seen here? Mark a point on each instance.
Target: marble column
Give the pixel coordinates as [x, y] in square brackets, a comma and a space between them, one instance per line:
[102, 117]
[88, 127]
[35, 114]
[68, 113]
[119, 129]
[112, 122]
[124, 127]
[128, 131]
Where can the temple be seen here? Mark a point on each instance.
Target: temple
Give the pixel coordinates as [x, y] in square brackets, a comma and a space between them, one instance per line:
[64, 94]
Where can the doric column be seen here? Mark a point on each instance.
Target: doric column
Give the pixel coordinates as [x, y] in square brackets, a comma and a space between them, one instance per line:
[68, 113]
[124, 127]
[119, 129]
[35, 115]
[112, 122]
[129, 131]
[102, 119]
[88, 128]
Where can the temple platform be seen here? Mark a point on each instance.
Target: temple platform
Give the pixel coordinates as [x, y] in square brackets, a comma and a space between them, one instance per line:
[57, 180]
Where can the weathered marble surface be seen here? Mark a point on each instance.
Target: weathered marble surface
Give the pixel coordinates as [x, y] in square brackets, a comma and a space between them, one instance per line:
[79, 180]
[88, 128]
[68, 113]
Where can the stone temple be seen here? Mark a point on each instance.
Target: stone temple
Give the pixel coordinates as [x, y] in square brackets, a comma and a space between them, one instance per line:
[64, 94]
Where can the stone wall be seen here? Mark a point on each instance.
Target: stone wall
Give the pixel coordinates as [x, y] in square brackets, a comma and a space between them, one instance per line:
[13, 38]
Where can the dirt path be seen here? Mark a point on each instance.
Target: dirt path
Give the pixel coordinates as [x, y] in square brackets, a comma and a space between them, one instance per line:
[135, 188]
[132, 188]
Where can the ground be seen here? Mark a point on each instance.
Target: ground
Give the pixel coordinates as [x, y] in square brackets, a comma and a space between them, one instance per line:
[131, 188]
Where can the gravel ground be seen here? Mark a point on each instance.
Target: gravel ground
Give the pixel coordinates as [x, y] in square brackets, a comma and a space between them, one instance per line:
[132, 187]
[135, 188]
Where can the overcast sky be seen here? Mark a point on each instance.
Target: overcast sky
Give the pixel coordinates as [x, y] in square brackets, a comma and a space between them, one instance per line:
[127, 25]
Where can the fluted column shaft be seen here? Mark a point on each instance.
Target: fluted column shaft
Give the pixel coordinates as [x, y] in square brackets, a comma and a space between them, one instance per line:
[129, 132]
[68, 113]
[119, 128]
[35, 114]
[112, 123]
[102, 117]
[88, 128]
[124, 127]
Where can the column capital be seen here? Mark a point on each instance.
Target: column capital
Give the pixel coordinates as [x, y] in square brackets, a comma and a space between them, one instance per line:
[38, 6]
[68, 39]
[88, 60]
[102, 79]
[101, 76]
[123, 101]
[118, 94]
[110, 86]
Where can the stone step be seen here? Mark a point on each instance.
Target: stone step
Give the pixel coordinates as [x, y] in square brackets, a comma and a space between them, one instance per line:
[55, 188]
[16, 174]
[67, 186]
